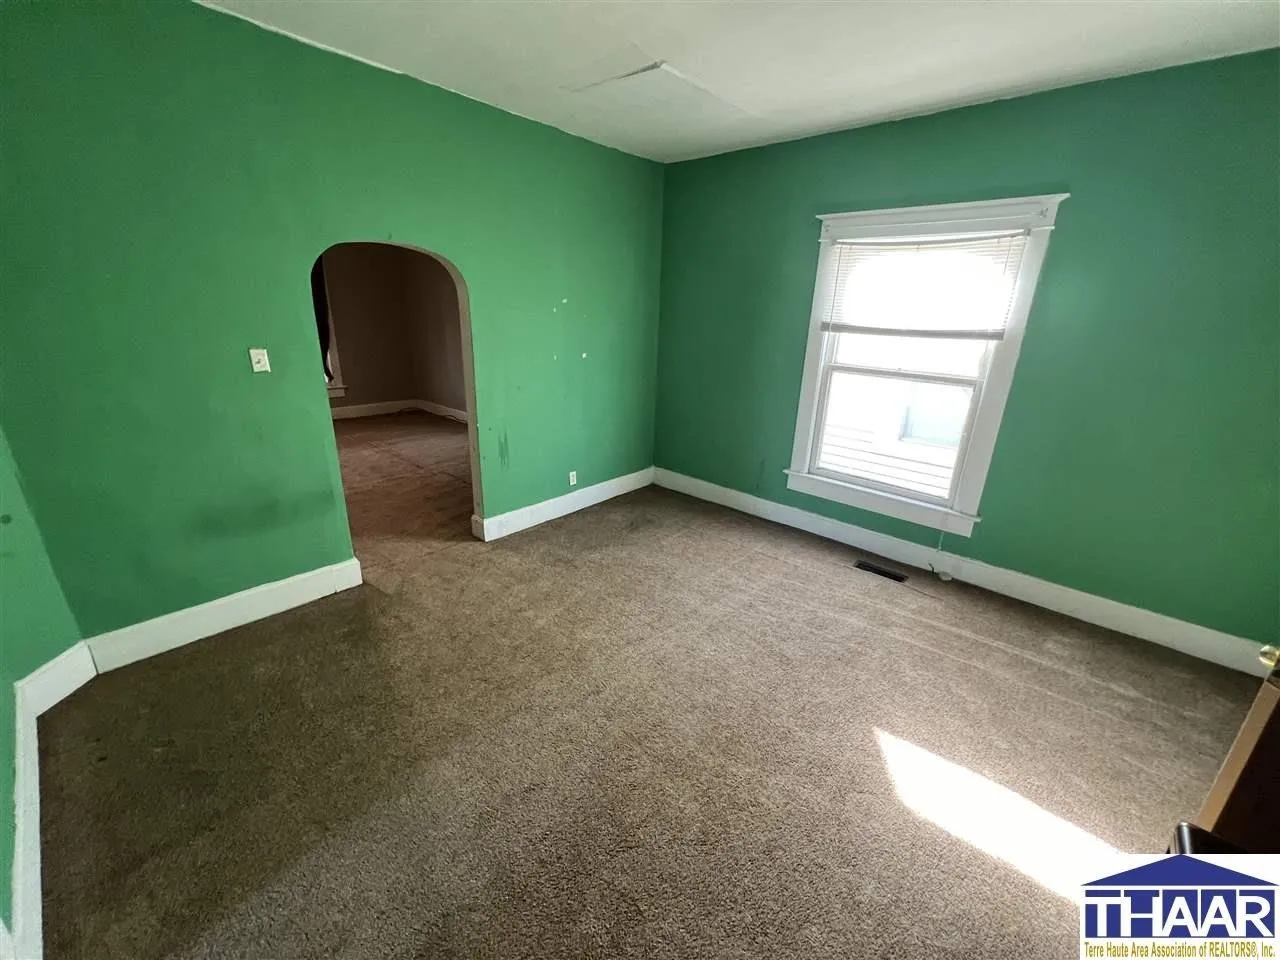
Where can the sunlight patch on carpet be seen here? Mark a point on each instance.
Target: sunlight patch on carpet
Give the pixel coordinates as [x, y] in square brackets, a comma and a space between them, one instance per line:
[1055, 853]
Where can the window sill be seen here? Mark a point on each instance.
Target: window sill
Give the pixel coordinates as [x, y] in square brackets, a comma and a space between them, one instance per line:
[878, 501]
[337, 390]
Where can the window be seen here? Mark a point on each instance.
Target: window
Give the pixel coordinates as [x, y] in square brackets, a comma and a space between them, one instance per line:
[917, 319]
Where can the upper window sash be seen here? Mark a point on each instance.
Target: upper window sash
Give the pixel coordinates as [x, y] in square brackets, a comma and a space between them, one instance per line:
[944, 219]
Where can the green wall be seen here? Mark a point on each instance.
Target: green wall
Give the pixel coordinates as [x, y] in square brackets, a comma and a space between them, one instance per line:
[1139, 457]
[169, 174]
[35, 624]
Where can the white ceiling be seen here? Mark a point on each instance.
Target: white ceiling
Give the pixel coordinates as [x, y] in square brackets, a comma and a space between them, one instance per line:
[724, 74]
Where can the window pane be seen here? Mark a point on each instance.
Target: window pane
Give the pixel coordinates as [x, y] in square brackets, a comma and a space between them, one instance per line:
[962, 358]
[893, 432]
[936, 415]
[946, 285]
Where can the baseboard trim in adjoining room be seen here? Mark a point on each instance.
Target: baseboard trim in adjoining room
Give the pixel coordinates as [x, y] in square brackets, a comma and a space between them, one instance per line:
[372, 409]
[505, 524]
[1190, 638]
[146, 639]
[351, 411]
[440, 410]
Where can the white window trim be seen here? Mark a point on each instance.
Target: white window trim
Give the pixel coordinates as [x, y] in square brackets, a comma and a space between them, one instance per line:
[1033, 214]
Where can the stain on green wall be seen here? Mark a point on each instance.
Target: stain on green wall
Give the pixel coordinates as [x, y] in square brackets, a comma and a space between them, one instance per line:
[1139, 457]
[35, 625]
[169, 175]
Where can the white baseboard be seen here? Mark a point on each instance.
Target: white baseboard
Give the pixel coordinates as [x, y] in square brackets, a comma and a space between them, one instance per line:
[146, 639]
[505, 524]
[903, 551]
[396, 406]
[56, 680]
[7, 949]
[1206, 643]
[1203, 642]
[33, 695]
[28, 911]
[372, 409]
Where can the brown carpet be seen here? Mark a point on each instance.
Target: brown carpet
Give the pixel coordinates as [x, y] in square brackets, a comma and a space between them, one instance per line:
[645, 730]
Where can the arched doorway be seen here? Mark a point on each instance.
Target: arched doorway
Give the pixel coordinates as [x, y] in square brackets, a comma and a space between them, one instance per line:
[395, 339]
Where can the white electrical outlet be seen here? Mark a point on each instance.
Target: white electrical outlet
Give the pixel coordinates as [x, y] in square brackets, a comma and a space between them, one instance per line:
[573, 478]
[259, 360]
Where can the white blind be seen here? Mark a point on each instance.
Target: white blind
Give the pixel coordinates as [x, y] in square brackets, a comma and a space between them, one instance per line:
[935, 286]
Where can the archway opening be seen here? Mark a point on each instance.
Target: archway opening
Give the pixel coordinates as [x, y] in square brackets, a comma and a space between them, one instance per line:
[395, 344]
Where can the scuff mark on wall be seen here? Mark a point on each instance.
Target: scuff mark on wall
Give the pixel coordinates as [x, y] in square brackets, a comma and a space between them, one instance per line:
[504, 451]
